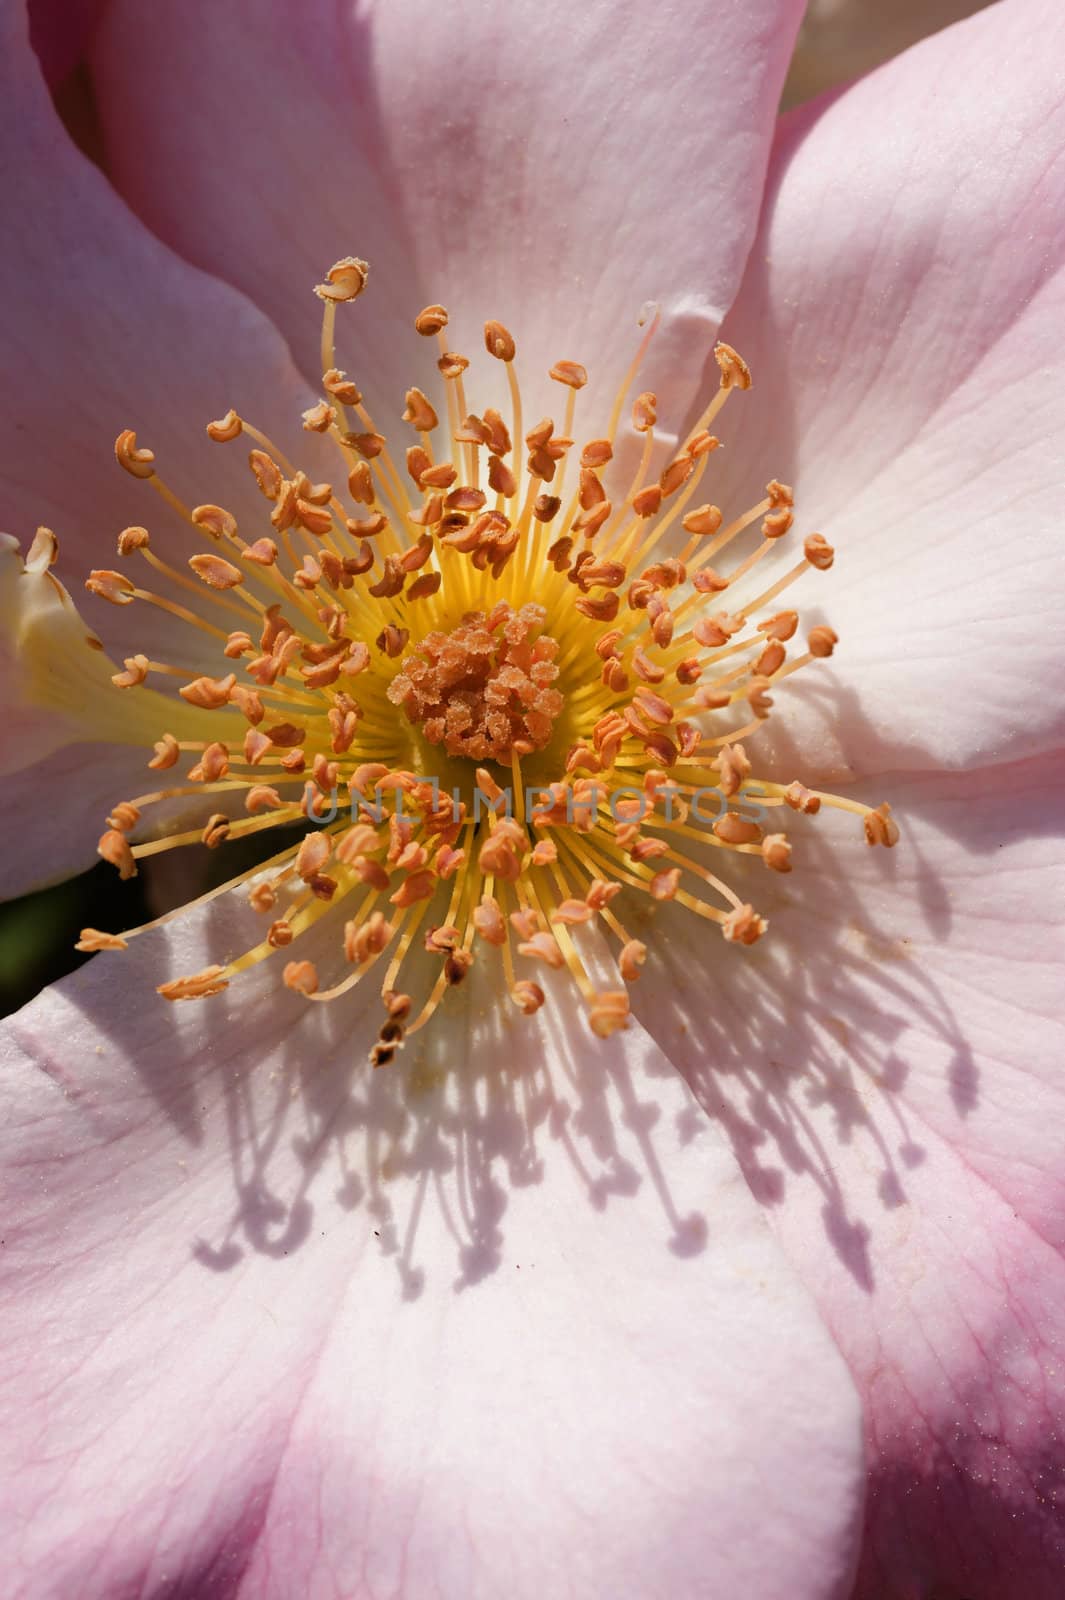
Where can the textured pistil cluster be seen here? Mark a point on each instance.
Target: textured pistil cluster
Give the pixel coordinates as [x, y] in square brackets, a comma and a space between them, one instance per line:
[364, 631]
[483, 690]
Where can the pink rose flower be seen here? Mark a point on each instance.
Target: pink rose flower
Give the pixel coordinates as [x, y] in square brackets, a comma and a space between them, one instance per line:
[760, 1295]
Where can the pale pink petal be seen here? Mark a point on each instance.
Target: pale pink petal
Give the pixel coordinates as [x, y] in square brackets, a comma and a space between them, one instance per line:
[500, 1319]
[887, 1064]
[902, 313]
[56, 812]
[105, 329]
[550, 165]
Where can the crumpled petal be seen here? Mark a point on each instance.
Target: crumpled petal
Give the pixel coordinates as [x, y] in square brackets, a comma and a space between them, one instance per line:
[72, 744]
[547, 165]
[902, 313]
[57, 680]
[886, 1063]
[270, 1314]
[105, 329]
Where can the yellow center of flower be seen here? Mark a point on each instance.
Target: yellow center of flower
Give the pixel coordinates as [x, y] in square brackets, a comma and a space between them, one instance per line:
[500, 688]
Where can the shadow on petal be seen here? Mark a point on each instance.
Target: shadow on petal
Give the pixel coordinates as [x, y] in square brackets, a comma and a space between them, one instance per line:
[845, 997]
[476, 1106]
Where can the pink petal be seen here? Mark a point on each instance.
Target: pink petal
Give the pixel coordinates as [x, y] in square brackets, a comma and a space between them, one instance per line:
[548, 165]
[502, 1318]
[105, 329]
[887, 1065]
[902, 313]
[57, 810]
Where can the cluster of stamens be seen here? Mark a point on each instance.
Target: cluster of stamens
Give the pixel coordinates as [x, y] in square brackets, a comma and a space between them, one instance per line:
[411, 591]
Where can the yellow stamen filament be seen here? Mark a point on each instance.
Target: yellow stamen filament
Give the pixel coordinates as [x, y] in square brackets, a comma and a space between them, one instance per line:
[473, 617]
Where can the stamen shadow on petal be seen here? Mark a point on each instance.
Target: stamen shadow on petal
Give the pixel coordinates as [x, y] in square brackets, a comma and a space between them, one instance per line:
[837, 1006]
[473, 1109]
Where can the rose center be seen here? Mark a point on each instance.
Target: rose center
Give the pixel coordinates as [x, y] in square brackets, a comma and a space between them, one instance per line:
[484, 689]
